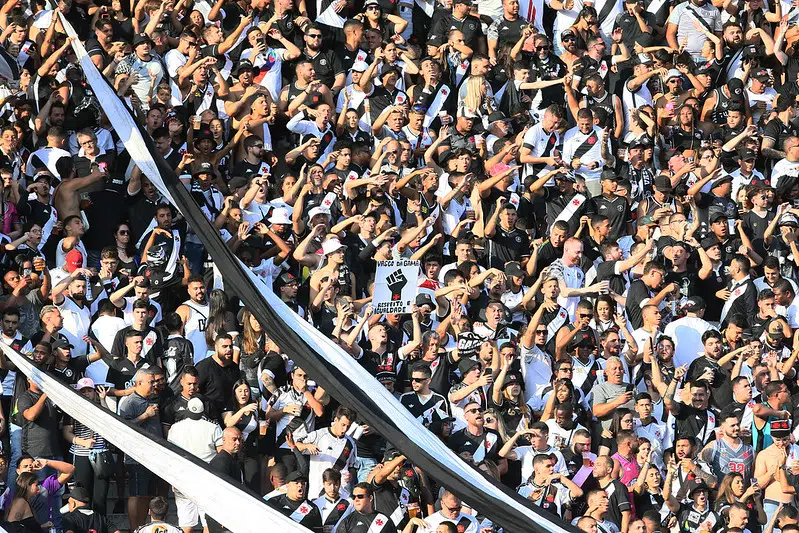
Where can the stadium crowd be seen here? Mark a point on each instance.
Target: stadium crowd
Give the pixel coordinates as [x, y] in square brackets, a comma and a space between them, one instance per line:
[603, 197]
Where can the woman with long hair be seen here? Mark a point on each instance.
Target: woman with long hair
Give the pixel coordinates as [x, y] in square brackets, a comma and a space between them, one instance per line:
[508, 399]
[604, 314]
[733, 489]
[261, 362]
[19, 509]
[126, 251]
[220, 319]
[647, 491]
[85, 442]
[585, 26]
[243, 414]
[477, 98]
[333, 266]
[622, 421]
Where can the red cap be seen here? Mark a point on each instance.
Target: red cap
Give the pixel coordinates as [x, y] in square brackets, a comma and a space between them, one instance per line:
[74, 260]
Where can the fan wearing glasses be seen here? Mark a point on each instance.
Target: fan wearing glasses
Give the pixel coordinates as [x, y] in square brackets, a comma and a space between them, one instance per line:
[365, 519]
[451, 511]
[423, 402]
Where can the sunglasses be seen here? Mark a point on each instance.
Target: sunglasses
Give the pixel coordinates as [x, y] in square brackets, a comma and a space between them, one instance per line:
[314, 36]
[419, 380]
[586, 315]
[475, 410]
[541, 332]
[569, 40]
[541, 48]
[124, 232]
[359, 496]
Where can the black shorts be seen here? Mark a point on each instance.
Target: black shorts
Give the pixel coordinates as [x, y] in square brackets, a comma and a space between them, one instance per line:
[141, 482]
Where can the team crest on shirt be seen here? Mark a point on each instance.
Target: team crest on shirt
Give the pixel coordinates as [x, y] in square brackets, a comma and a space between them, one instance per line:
[341, 506]
[591, 140]
[149, 341]
[518, 238]
[304, 509]
[323, 61]
[619, 208]
[379, 522]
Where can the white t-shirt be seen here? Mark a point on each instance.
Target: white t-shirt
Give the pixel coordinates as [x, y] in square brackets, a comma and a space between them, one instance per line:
[198, 437]
[687, 333]
[270, 64]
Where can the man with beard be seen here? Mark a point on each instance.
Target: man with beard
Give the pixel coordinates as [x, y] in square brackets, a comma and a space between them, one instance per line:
[295, 505]
[217, 374]
[474, 440]
[729, 453]
[163, 247]
[194, 313]
[714, 369]
[742, 297]
[734, 47]
[326, 63]
[315, 123]
[69, 296]
[306, 91]
[422, 402]
[563, 202]
[680, 27]
[142, 63]
[694, 419]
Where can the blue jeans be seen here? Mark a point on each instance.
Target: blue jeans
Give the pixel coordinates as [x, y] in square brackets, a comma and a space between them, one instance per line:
[195, 253]
[770, 507]
[15, 437]
[365, 465]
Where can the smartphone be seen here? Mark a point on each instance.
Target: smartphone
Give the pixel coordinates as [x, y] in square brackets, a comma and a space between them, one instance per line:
[103, 166]
[26, 272]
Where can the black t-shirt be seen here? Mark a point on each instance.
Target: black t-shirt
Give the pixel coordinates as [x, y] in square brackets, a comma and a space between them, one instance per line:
[618, 501]
[327, 65]
[687, 281]
[40, 437]
[227, 466]
[722, 387]
[606, 270]
[470, 27]
[73, 371]
[631, 30]
[216, 383]
[616, 209]
[121, 371]
[637, 293]
[176, 408]
[507, 246]
[84, 519]
[463, 441]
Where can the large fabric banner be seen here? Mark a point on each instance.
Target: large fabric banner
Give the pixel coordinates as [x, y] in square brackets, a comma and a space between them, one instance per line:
[238, 510]
[322, 359]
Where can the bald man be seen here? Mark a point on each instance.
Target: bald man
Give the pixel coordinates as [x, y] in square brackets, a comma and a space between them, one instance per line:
[226, 461]
[571, 277]
[228, 466]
